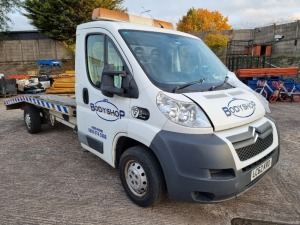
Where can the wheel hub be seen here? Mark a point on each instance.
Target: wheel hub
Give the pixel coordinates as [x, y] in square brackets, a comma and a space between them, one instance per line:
[136, 178]
[28, 120]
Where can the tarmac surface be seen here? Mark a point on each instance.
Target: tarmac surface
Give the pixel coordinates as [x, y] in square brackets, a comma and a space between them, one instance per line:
[47, 178]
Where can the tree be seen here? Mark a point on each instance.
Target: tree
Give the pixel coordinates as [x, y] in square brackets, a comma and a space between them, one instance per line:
[216, 41]
[7, 6]
[203, 20]
[58, 19]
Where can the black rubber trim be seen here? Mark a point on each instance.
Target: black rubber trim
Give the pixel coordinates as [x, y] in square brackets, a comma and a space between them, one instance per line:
[91, 142]
[186, 160]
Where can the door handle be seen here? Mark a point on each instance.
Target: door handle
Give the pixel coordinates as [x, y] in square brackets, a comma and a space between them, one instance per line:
[85, 95]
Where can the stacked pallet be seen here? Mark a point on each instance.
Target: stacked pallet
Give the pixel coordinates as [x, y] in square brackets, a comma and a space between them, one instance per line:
[63, 83]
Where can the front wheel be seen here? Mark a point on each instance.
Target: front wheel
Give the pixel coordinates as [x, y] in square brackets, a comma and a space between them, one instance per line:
[262, 92]
[141, 176]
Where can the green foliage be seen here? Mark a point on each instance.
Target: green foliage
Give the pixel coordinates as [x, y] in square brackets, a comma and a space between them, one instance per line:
[216, 42]
[203, 20]
[7, 6]
[58, 19]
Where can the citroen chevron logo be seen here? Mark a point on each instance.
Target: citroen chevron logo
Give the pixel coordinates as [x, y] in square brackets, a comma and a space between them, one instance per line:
[254, 134]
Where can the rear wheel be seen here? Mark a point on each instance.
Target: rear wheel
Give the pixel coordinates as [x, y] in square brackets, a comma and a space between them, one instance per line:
[141, 176]
[262, 91]
[284, 96]
[296, 95]
[32, 119]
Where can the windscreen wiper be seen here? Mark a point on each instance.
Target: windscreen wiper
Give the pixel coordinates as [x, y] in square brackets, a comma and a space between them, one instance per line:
[220, 85]
[200, 81]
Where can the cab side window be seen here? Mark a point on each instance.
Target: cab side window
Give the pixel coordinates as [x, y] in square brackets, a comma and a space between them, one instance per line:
[113, 58]
[95, 57]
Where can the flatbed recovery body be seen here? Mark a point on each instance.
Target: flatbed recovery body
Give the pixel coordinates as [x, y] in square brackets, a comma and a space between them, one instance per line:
[61, 108]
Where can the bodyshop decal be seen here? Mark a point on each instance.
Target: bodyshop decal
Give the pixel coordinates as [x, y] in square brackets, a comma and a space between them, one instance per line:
[241, 108]
[107, 110]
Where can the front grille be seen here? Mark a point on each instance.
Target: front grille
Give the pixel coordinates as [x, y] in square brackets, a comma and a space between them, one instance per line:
[255, 164]
[250, 151]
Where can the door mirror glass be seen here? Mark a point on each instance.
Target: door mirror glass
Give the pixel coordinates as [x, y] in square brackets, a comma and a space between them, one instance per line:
[112, 81]
[118, 81]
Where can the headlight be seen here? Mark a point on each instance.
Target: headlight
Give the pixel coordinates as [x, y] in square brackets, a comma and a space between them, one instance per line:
[182, 113]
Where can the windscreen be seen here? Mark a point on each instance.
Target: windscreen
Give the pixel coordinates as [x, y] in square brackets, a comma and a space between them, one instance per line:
[172, 60]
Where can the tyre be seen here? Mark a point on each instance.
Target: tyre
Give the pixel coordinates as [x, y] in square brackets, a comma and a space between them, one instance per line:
[283, 96]
[296, 95]
[141, 176]
[32, 119]
[274, 96]
[262, 91]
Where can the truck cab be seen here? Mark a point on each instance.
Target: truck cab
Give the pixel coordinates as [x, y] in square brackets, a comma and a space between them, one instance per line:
[160, 106]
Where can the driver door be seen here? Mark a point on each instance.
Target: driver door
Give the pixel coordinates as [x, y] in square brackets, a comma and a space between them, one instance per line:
[101, 117]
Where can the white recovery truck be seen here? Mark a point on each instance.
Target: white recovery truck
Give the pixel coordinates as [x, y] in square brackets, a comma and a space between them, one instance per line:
[160, 106]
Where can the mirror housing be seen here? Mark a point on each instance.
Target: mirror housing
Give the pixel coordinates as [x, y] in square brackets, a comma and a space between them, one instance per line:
[108, 87]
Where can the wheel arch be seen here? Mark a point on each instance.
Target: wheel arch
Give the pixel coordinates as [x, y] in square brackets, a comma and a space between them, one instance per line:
[123, 143]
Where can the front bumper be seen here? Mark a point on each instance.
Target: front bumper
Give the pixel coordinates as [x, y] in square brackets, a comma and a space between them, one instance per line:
[202, 167]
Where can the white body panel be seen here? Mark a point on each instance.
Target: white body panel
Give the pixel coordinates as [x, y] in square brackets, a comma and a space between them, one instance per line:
[229, 108]
[213, 103]
[95, 122]
[127, 125]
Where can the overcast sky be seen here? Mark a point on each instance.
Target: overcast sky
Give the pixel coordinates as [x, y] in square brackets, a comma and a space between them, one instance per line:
[241, 13]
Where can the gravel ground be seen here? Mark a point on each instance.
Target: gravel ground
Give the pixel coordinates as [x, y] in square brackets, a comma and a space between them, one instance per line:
[47, 178]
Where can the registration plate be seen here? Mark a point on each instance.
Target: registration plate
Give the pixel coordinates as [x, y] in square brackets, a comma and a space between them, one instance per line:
[261, 169]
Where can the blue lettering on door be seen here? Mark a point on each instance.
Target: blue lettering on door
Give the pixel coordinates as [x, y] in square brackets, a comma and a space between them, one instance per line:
[107, 110]
[96, 131]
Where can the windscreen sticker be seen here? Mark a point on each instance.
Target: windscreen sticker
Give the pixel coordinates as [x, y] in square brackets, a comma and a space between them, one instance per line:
[96, 131]
[241, 108]
[107, 110]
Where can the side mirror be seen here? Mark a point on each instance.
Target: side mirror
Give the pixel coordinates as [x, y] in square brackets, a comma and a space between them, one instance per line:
[111, 81]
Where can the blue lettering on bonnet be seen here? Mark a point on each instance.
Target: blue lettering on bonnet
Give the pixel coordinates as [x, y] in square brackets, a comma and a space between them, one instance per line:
[240, 108]
[107, 110]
